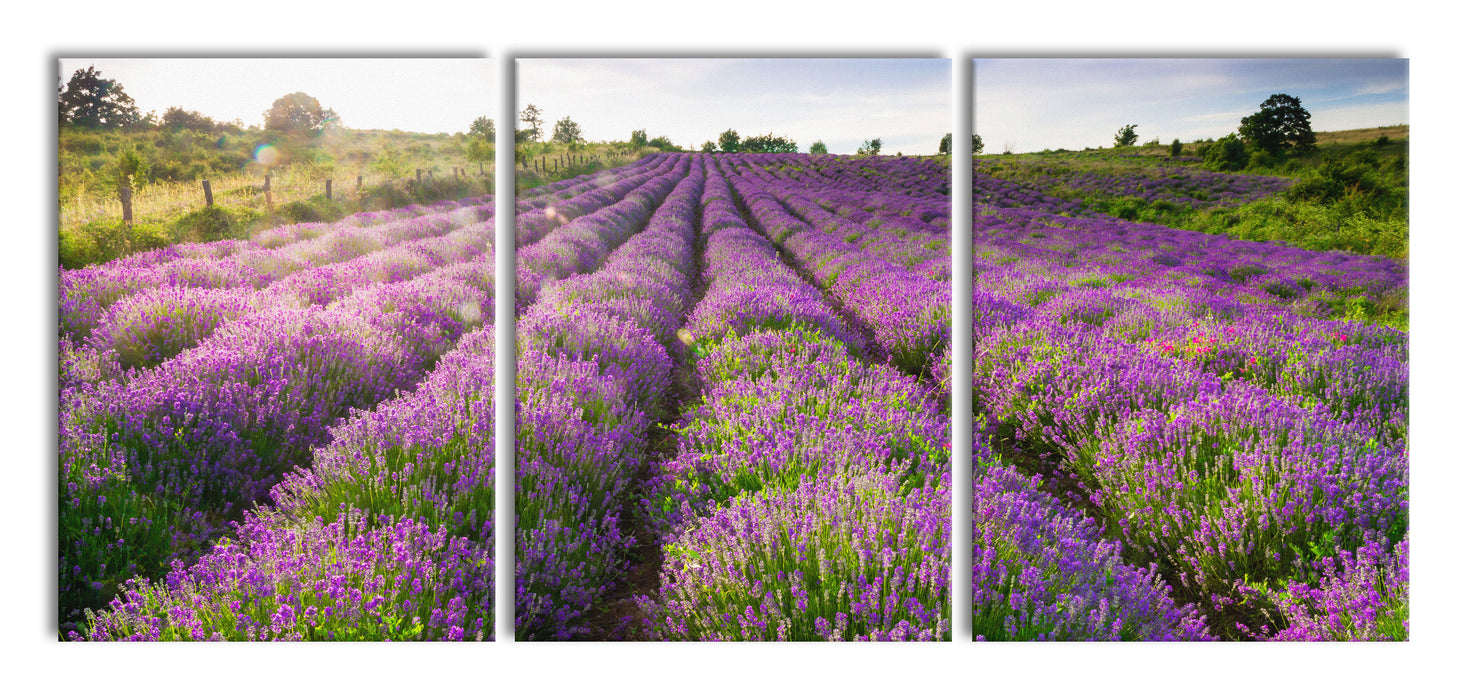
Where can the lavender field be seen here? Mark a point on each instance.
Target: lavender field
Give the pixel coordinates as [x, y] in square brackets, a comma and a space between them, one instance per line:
[735, 358]
[1176, 435]
[288, 437]
[733, 420]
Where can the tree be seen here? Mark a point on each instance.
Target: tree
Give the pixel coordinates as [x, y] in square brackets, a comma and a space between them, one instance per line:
[1127, 135]
[709, 147]
[1226, 154]
[298, 112]
[180, 119]
[1176, 149]
[1281, 123]
[530, 116]
[664, 143]
[945, 145]
[639, 138]
[818, 147]
[870, 147]
[91, 101]
[567, 132]
[768, 143]
[482, 128]
[729, 141]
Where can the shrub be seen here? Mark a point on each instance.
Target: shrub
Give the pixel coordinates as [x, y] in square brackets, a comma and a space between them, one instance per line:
[1226, 154]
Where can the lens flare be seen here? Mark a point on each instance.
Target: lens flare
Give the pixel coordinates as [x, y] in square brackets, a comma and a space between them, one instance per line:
[267, 154]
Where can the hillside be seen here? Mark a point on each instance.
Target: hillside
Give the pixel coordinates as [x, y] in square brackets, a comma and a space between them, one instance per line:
[368, 170]
[1348, 194]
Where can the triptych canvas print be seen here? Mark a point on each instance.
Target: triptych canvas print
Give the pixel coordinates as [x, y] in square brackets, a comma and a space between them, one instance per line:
[693, 349]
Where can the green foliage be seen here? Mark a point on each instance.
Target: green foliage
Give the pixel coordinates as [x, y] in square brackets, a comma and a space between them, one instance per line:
[729, 141]
[180, 119]
[639, 138]
[479, 150]
[391, 163]
[870, 147]
[132, 171]
[1280, 124]
[710, 147]
[1126, 135]
[1359, 175]
[818, 147]
[104, 240]
[482, 128]
[93, 102]
[1226, 154]
[208, 224]
[768, 143]
[978, 145]
[298, 112]
[530, 116]
[1176, 149]
[664, 143]
[567, 132]
[317, 208]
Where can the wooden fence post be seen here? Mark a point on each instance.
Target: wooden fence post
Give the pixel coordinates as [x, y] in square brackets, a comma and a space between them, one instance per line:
[328, 188]
[208, 195]
[419, 176]
[126, 195]
[359, 183]
[269, 203]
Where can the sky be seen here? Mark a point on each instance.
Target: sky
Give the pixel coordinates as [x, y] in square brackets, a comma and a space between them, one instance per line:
[425, 95]
[1034, 104]
[905, 102]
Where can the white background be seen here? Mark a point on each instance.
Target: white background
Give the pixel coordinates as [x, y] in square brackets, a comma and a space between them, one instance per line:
[36, 35]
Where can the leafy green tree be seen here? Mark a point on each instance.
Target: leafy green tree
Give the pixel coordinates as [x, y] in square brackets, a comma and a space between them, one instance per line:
[1281, 123]
[479, 150]
[768, 143]
[530, 116]
[664, 143]
[1226, 154]
[298, 112]
[818, 147]
[482, 128]
[180, 119]
[729, 141]
[1176, 149]
[132, 171]
[709, 147]
[945, 145]
[567, 132]
[870, 147]
[639, 138]
[1127, 135]
[94, 102]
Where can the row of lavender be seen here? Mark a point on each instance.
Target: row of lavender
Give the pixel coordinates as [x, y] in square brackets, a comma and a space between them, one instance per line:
[363, 528]
[1191, 420]
[599, 350]
[1183, 186]
[807, 497]
[594, 375]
